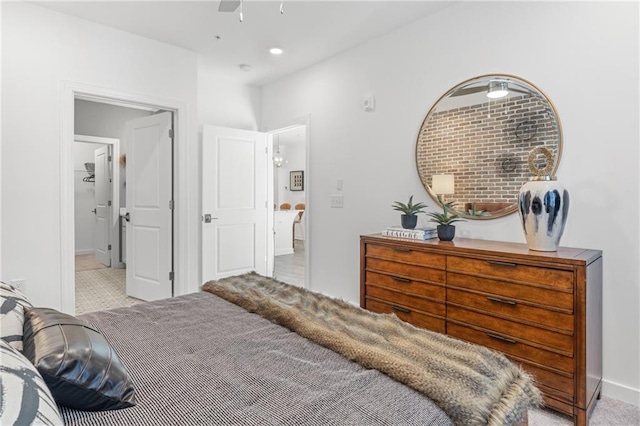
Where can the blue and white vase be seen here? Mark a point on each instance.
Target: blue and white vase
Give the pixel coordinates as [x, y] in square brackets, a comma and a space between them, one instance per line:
[543, 205]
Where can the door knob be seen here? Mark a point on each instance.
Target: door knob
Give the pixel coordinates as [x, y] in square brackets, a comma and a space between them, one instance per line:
[207, 218]
[94, 211]
[127, 217]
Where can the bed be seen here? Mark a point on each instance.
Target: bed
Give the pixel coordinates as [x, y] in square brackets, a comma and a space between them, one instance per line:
[219, 357]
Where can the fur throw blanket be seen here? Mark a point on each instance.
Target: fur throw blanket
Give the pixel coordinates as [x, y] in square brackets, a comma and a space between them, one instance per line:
[472, 384]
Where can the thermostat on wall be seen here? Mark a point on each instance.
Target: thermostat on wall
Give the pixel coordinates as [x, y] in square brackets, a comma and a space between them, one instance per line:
[368, 103]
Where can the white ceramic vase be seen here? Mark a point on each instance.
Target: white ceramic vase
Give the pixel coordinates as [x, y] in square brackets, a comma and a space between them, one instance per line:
[543, 205]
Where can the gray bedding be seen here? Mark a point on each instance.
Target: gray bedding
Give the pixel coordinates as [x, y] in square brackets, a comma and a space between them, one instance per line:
[200, 360]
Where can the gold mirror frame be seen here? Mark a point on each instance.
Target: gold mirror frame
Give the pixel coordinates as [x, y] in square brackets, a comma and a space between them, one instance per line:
[485, 143]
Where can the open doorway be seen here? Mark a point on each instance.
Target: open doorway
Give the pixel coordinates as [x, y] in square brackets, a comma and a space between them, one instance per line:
[168, 154]
[290, 201]
[99, 198]
[100, 277]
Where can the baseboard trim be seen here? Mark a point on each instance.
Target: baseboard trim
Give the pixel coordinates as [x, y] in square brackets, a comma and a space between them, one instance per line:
[621, 392]
[83, 252]
[283, 251]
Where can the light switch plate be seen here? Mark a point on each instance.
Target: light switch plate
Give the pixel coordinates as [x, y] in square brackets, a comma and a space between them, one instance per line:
[337, 201]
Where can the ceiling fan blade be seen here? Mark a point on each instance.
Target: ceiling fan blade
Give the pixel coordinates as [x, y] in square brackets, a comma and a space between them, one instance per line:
[469, 90]
[228, 5]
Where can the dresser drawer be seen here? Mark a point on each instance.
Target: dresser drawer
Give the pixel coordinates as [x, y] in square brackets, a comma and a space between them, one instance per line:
[512, 309]
[512, 271]
[418, 319]
[543, 296]
[406, 285]
[405, 254]
[559, 385]
[432, 306]
[510, 346]
[554, 341]
[406, 270]
[553, 403]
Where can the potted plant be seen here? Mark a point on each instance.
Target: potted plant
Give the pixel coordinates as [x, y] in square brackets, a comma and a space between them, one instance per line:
[475, 212]
[445, 220]
[409, 218]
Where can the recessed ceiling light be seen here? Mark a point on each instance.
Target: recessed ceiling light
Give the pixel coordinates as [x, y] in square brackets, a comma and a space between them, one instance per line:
[276, 51]
[245, 67]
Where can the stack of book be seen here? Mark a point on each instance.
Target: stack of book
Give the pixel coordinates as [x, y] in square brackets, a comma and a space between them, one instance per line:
[411, 234]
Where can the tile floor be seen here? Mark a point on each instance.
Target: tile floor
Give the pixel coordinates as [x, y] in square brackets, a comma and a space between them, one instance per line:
[289, 268]
[98, 287]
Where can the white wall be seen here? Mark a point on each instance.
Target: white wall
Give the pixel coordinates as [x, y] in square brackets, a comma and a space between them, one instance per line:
[84, 198]
[227, 103]
[41, 51]
[295, 159]
[102, 120]
[107, 121]
[1, 179]
[294, 155]
[570, 50]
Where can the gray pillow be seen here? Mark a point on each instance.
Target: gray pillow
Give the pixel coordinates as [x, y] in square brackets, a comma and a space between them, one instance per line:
[12, 304]
[26, 400]
[80, 367]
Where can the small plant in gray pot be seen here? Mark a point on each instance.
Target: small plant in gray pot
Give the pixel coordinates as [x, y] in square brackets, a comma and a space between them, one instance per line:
[445, 220]
[409, 218]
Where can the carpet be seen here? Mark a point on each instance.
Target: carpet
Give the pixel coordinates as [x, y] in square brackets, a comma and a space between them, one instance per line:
[608, 412]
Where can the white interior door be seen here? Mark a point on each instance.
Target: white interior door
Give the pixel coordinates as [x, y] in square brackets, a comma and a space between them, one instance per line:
[102, 181]
[234, 202]
[149, 197]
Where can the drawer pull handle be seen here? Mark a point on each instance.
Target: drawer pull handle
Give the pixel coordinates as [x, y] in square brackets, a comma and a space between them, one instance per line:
[506, 302]
[400, 309]
[497, 262]
[402, 280]
[503, 339]
[402, 249]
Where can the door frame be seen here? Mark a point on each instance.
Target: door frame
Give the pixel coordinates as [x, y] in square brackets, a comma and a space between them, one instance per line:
[289, 125]
[69, 92]
[114, 218]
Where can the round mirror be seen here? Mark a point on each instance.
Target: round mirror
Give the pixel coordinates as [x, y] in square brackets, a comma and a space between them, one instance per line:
[473, 146]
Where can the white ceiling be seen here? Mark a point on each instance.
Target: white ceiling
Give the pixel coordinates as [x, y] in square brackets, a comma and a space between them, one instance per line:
[308, 31]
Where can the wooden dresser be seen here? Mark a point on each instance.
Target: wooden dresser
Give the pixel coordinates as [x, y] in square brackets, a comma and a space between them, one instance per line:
[542, 309]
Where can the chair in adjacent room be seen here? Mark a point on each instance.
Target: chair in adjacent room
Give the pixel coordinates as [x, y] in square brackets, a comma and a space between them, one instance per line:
[298, 219]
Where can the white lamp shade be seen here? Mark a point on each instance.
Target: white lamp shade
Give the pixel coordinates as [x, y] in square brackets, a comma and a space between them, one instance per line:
[443, 184]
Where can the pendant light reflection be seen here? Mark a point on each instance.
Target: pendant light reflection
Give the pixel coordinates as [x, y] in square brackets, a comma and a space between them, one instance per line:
[497, 89]
[278, 160]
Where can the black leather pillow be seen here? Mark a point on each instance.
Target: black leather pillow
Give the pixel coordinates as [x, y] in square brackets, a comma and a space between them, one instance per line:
[77, 363]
